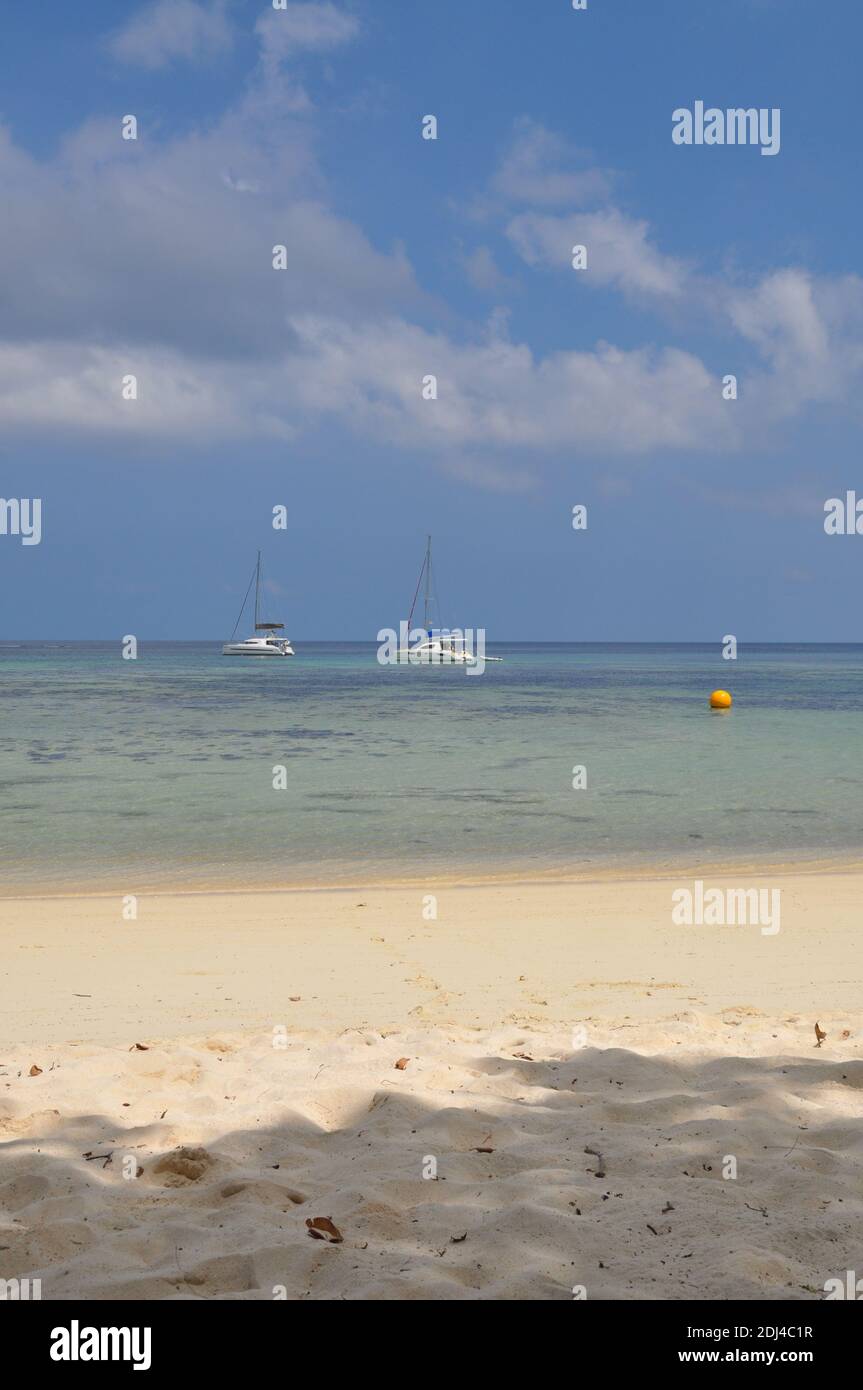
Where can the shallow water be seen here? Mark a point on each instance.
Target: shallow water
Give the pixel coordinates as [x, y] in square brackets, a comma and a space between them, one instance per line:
[160, 770]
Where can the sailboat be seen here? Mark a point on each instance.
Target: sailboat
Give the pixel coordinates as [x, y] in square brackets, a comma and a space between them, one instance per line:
[440, 646]
[267, 645]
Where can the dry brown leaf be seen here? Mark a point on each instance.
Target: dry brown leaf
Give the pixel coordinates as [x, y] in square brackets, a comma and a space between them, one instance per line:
[820, 1035]
[402, 1063]
[525, 1056]
[322, 1228]
[35, 1071]
[139, 1047]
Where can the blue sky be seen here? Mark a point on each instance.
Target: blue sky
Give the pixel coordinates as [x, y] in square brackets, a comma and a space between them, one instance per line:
[407, 257]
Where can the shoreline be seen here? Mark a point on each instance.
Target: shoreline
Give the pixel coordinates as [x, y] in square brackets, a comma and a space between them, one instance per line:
[623, 871]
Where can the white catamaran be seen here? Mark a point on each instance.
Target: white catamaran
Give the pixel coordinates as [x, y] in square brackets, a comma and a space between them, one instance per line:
[267, 645]
[439, 646]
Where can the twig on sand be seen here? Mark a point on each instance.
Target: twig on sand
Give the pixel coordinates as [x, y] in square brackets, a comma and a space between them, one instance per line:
[90, 1157]
[600, 1167]
[762, 1210]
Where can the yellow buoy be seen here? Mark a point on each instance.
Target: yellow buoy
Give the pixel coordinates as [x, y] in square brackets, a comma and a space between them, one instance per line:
[720, 699]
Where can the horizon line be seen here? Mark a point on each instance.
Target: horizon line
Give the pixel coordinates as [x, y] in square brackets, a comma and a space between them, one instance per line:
[498, 641]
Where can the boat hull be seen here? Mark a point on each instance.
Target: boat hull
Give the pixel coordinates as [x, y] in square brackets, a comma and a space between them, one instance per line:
[240, 649]
[437, 653]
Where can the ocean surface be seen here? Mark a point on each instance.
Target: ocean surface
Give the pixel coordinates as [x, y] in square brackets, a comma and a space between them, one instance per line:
[127, 775]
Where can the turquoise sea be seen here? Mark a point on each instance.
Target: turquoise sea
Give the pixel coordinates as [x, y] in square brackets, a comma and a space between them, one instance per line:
[130, 774]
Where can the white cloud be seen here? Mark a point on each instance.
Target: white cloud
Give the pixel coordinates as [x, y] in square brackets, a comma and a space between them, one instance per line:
[158, 246]
[537, 169]
[618, 250]
[306, 27]
[284, 35]
[809, 334]
[170, 30]
[498, 395]
[781, 317]
[74, 388]
[493, 395]
[164, 270]
[500, 407]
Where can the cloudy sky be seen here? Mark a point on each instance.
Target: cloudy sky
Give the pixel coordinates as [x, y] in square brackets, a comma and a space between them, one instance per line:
[406, 258]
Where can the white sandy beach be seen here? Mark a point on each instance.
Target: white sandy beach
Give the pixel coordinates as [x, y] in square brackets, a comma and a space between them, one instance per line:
[579, 1070]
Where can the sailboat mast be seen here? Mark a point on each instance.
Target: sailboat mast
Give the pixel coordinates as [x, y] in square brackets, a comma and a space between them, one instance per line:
[257, 590]
[427, 594]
